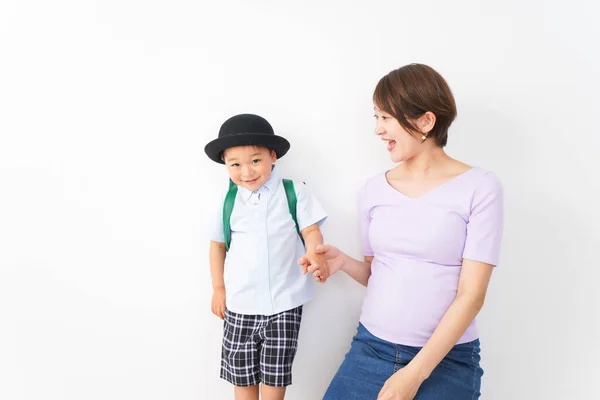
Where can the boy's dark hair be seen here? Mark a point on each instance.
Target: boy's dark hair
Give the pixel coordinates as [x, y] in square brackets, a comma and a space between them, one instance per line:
[409, 92]
[253, 145]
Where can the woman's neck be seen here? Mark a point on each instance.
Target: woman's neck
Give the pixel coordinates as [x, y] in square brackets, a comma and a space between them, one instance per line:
[427, 163]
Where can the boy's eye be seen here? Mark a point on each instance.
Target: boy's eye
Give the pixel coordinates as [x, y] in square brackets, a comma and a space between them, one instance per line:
[235, 165]
[255, 161]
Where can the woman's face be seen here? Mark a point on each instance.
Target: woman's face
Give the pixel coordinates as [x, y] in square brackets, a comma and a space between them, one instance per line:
[400, 143]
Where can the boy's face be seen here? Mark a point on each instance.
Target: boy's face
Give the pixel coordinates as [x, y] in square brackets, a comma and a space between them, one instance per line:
[249, 166]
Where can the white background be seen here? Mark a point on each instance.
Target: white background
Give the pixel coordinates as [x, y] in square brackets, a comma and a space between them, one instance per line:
[105, 108]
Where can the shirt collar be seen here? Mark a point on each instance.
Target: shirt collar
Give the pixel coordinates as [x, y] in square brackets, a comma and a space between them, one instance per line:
[271, 184]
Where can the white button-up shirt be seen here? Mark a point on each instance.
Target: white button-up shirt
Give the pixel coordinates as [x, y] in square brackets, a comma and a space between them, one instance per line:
[262, 276]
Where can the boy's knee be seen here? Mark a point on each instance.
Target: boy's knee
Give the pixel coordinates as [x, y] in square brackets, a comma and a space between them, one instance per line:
[272, 392]
[246, 392]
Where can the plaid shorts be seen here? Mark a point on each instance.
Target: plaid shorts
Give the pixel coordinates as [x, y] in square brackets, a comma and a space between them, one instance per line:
[259, 348]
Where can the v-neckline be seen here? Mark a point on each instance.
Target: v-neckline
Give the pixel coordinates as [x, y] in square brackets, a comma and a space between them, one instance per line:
[429, 192]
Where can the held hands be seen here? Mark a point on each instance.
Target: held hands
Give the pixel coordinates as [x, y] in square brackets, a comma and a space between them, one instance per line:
[315, 263]
[218, 302]
[323, 262]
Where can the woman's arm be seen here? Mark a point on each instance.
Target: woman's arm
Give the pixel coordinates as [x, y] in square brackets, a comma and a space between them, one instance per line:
[336, 259]
[472, 288]
[358, 270]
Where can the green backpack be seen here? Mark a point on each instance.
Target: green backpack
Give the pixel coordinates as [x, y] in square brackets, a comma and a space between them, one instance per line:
[290, 194]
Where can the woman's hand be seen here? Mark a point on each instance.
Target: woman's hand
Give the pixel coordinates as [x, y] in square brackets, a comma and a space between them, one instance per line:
[403, 385]
[335, 260]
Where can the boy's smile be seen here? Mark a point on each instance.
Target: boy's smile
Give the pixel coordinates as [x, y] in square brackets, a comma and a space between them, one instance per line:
[252, 182]
[249, 166]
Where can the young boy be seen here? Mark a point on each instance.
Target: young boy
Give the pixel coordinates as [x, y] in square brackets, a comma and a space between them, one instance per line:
[259, 288]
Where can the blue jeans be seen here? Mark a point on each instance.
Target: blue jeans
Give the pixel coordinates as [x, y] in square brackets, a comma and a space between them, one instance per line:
[371, 361]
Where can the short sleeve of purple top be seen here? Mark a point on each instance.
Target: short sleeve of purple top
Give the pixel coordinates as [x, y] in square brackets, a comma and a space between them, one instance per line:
[418, 247]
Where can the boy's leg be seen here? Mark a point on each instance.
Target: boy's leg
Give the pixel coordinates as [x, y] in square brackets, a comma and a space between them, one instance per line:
[278, 351]
[246, 392]
[271, 392]
[240, 353]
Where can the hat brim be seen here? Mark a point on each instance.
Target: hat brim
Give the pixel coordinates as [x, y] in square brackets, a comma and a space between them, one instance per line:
[215, 148]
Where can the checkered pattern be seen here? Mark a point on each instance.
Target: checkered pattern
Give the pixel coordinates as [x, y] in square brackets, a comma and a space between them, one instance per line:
[260, 348]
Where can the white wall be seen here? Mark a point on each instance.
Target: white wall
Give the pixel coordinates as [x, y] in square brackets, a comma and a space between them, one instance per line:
[105, 108]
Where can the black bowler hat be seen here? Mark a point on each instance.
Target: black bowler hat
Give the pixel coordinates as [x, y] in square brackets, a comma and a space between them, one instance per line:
[246, 130]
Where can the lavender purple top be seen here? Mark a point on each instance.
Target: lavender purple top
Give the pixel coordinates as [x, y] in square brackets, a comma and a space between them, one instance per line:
[418, 247]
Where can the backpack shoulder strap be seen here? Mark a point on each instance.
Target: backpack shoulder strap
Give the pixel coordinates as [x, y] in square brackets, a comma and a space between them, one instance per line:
[227, 210]
[292, 199]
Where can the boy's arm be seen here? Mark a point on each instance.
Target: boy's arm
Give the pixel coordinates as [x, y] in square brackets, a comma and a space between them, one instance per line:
[310, 215]
[312, 238]
[217, 267]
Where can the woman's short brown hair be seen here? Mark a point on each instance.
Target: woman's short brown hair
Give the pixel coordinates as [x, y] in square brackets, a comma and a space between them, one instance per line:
[410, 91]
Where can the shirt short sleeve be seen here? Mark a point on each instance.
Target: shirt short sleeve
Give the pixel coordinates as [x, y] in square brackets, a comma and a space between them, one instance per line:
[485, 224]
[365, 221]
[308, 209]
[215, 226]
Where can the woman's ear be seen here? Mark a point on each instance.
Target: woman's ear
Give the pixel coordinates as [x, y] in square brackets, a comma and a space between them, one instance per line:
[426, 122]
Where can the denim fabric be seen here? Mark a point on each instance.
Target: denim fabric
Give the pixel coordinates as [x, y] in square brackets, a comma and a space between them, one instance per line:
[371, 361]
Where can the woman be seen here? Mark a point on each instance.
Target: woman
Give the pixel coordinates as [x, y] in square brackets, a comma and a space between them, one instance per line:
[431, 231]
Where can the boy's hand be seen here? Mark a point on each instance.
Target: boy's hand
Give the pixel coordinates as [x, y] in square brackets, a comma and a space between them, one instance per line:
[218, 302]
[315, 264]
[335, 259]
